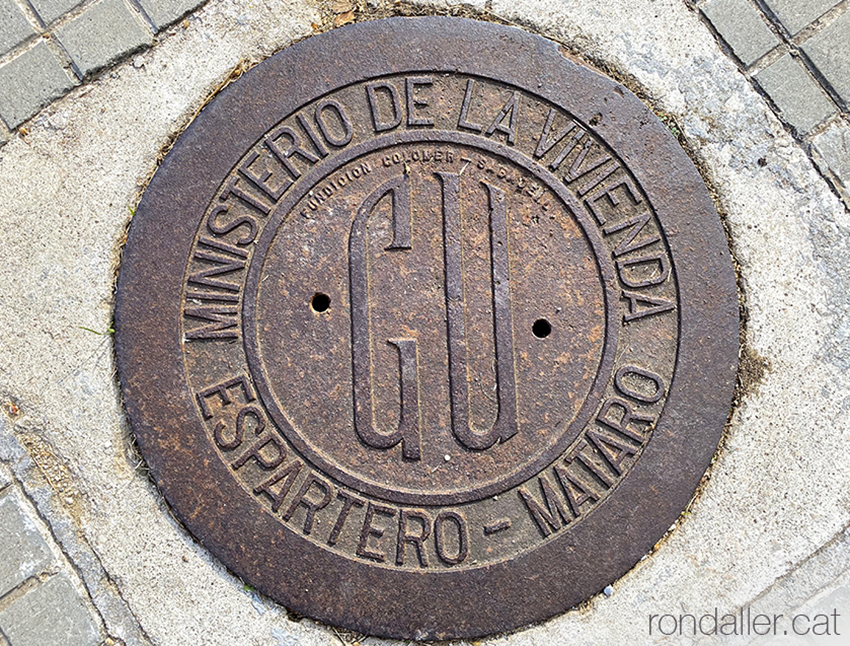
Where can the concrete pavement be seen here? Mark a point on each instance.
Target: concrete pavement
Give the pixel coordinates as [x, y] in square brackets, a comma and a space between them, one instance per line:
[757, 91]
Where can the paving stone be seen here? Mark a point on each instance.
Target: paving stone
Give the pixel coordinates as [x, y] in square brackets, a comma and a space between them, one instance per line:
[53, 614]
[50, 10]
[14, 27]
[29, 82]
[833, 153]
[742, 27]
[165, 12]
[102, 34]
[829, 50]
[23, 552]
[797, 14]
[799, 98]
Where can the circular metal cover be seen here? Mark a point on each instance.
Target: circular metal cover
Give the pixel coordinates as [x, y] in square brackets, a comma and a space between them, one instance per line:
[426, 330]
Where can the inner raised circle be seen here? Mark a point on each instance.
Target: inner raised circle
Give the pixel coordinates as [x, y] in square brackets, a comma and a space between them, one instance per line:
[304, 371]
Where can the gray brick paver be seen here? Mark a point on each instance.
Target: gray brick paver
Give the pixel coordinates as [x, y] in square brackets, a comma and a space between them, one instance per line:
[29, 82]
[53, 614]
[795, 15]
[14, 27]
[50, 10]
[102, 34]
[833, 146]
[23, 551]
[829, 50]
[164, 12]
[97, 38]
[742, 27]
[799, 98]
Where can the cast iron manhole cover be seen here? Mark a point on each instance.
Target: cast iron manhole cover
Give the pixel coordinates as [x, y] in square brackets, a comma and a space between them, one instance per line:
[426, 330]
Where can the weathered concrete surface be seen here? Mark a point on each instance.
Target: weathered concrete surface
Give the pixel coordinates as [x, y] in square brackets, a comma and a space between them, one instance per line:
[779, 490]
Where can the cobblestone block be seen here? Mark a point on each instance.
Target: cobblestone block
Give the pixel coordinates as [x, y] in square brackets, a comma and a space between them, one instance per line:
[165, 12]
[102, 34]
[742, 27]
[799, 98]
[29, 82]
[829, 50]
[53, 614]
[23, 552]
[50, 10]
[833, 153]
[797, 14]
[14, 28]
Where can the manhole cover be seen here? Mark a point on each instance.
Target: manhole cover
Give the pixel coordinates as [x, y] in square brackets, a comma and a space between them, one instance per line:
[425, 330]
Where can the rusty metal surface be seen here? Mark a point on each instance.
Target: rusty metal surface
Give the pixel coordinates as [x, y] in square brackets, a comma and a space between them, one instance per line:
[425, 330]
